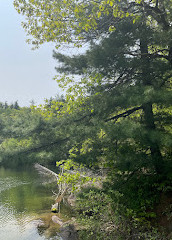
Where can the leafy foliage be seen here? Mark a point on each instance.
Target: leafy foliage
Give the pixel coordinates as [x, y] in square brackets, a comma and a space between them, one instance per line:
[115, 118]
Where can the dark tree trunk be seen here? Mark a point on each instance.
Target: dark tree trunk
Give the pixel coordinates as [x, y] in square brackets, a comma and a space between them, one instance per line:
[156, 155]
[153, 145]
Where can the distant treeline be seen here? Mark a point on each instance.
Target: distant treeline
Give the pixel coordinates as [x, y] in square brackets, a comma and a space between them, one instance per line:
[5, 105]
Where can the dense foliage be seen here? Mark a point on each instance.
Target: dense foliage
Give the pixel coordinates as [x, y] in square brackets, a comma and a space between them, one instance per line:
[116, 116]
[27, 137]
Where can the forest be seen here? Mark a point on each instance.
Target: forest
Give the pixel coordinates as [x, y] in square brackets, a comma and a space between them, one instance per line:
[114, 119]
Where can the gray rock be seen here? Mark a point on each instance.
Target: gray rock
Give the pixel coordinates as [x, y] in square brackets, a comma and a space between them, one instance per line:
[57, 220]
[68, 232]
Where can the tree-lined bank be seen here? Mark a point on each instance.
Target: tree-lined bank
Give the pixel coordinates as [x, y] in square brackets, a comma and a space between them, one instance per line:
[116, 116]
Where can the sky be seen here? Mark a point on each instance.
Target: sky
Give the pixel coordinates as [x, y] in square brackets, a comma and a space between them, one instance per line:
[25, 75]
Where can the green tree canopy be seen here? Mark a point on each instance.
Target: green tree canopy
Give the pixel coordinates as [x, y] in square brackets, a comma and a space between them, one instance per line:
[116, 116]
[77, 21]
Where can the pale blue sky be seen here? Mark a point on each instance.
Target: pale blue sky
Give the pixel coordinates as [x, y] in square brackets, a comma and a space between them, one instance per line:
[24, 74]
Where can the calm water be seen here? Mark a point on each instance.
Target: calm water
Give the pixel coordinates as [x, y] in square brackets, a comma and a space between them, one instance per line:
[23, 200]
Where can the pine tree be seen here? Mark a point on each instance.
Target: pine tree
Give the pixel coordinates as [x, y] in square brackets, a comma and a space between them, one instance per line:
[5, 105]
[127, 78]
[118, 114]
[134, 78]
[16, 105]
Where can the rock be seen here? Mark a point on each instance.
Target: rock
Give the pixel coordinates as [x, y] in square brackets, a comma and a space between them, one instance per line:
[68, 232]
[71, 200]
[57, 220]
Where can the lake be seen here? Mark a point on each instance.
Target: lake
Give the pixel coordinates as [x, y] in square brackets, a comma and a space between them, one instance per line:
[25, 203]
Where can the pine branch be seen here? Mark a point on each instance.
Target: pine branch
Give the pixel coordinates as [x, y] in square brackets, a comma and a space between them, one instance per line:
[157, 54]
[45, 146]
[124, 114]
[35, 149]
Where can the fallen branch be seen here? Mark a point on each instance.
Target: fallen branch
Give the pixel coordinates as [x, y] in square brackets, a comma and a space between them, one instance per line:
[45, 171]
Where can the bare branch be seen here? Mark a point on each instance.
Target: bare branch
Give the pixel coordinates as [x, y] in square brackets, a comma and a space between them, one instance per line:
[45, 171]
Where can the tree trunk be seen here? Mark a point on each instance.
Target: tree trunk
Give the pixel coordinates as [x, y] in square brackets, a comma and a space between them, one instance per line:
[157, 159]
[156, 155]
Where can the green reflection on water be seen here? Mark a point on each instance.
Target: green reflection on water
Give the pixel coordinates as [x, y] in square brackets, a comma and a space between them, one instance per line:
[22, 198]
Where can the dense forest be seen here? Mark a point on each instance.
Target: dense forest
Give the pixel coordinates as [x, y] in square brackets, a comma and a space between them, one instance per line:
[115, 117]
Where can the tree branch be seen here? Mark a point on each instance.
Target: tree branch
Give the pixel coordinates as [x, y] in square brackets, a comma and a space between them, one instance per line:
[46, 145]
[155, 12]
[39, 147]
[124, 114]
[157, 2]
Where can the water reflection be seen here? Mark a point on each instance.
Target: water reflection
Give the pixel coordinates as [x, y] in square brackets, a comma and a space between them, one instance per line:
[22, 199]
